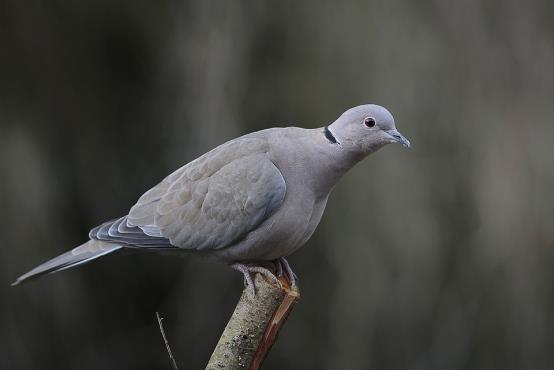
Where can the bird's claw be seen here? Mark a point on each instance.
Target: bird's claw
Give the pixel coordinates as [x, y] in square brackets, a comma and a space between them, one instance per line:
[282, 265]
[247, 271]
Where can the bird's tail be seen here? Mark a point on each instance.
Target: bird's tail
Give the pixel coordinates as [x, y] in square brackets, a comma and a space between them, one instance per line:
[75, 257]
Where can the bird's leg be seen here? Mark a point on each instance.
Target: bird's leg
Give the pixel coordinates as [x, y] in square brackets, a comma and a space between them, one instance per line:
[246, 274]
[247, 270]
[292, 276]
[278, 267]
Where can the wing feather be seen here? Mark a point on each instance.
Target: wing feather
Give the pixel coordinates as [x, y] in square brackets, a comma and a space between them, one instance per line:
[209, 203]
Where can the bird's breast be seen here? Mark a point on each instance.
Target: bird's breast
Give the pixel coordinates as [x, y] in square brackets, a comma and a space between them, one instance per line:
[282, 234]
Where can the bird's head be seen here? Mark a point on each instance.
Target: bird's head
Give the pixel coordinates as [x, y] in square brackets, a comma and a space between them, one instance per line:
[365, 129]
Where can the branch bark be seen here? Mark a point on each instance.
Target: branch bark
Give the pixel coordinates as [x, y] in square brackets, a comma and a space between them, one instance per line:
[254, 326]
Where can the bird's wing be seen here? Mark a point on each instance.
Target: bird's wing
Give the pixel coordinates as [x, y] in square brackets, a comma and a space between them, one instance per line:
[211, 202]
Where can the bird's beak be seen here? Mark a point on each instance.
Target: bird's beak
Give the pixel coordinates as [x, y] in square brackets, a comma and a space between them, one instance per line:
[399, 138]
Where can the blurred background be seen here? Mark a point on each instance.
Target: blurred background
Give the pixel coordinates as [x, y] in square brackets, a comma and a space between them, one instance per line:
[439, 257]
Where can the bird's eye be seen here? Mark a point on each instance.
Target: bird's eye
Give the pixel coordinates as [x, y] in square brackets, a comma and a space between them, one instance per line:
[369, 121]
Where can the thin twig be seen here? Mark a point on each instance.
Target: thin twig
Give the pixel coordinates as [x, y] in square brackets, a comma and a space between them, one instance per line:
[166, 342]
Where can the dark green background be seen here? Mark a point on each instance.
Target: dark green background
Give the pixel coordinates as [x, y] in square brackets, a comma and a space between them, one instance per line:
[440, 257]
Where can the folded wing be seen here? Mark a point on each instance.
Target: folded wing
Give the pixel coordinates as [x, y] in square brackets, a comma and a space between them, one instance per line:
[209, 203]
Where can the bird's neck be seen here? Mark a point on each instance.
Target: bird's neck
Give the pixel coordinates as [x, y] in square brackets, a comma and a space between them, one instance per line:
[311, 160]
[328, 160]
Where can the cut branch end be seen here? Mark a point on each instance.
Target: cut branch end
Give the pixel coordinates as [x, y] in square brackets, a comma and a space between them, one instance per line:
[254, 325]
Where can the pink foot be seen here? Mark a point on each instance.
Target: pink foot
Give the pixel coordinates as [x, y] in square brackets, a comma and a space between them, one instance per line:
[247, 271]
[281, 264]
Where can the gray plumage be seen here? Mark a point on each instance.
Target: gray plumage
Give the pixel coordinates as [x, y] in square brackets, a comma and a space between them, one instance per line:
[256, 198]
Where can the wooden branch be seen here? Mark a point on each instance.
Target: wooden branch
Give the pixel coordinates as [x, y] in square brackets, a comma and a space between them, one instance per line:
[254, 326]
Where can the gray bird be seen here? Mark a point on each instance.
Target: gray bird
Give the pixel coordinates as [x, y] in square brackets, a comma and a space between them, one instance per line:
[251, 200]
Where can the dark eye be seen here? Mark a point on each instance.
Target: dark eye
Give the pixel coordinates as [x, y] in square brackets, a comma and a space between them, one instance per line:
[369, 122]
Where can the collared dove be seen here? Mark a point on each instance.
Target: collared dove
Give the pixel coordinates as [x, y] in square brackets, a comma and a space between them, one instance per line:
[254, 199]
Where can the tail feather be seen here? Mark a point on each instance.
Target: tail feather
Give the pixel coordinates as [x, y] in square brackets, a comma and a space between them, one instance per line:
[75, 257]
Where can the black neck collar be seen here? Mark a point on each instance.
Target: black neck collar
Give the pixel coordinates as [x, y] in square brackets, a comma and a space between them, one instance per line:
[329, 136]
